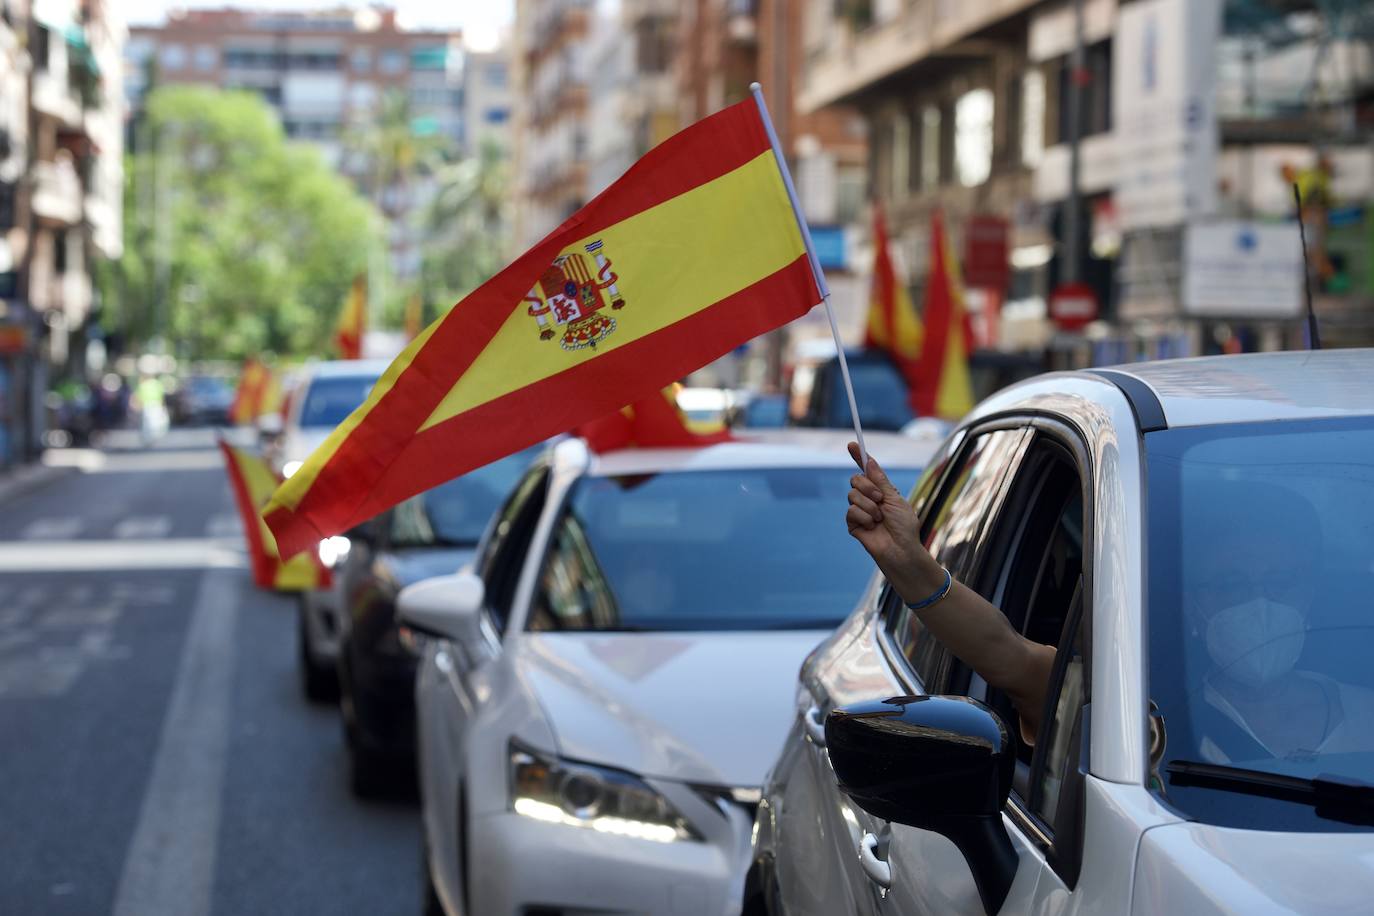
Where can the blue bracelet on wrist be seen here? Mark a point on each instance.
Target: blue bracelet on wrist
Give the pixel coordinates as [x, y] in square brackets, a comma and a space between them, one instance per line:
[940, 594]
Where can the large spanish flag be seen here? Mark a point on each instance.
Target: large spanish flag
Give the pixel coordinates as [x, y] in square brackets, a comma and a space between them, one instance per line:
[253, 483]
[348, 333]
[943, 386]
[653, 421]
[695, 250]
[893, 325]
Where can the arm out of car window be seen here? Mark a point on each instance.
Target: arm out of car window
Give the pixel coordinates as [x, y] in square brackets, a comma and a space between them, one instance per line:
[881, 519]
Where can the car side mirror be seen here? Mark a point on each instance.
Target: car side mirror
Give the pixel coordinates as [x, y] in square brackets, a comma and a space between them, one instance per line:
[446, 606]
[937, 763]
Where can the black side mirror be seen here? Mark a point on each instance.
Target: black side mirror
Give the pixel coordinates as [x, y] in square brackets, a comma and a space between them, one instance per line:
[938, 763]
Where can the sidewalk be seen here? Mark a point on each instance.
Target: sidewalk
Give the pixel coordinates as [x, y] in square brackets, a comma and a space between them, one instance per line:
[26, 477]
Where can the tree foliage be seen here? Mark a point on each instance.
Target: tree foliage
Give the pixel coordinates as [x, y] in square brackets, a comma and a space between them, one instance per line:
[465, 225]
[236, 242]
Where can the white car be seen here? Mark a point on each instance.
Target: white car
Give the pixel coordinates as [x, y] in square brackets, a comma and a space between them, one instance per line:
[1196, 539]
[321, 398]
[612, 677]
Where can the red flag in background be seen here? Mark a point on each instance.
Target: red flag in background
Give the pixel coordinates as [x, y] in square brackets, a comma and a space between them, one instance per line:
[255, 387]
[414, 317]
[893, 325]
[943, 387]
[652, 422]
[253, 483]
[348, 334]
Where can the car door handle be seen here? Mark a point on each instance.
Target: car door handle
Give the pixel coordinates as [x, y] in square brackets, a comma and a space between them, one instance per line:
[878, 871]
[814, 725]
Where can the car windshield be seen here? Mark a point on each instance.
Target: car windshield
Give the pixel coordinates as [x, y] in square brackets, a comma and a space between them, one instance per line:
[1261, 610]
[207, 385]
[880, 393]
[456, 513]
[329, 401]
[748, 549]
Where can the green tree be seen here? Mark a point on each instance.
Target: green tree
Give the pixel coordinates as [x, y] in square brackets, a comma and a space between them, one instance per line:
[465, 223]
[236, 242]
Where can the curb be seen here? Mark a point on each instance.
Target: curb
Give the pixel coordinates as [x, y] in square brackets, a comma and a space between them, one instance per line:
[29, 477]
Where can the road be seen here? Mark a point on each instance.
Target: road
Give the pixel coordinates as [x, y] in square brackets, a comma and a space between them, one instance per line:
[158, 754]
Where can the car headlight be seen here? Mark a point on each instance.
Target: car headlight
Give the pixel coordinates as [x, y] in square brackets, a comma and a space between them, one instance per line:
[581, 795]
[334, 550]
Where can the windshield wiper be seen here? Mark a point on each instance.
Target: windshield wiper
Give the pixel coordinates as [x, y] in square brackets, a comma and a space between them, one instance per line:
[1336, 798]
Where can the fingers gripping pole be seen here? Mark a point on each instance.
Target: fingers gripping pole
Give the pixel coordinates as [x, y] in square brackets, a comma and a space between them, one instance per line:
[816, 271]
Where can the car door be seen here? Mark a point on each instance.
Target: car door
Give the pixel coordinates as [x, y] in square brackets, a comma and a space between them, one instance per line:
[1035, 566]
[961, 489]
[445, 701]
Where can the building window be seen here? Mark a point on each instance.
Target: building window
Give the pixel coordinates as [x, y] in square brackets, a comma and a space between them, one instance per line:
[392, 62]
[172, 56]
[900, 169]
[362, 95]
[496, 76]
[930, 147]
[40, 48]
[206, 58]
[59, 252]
[362, 59]
[1032, 118]
[497, 115]
[973, 127]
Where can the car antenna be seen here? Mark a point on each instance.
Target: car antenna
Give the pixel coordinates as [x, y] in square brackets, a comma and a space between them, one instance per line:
[1314, 341]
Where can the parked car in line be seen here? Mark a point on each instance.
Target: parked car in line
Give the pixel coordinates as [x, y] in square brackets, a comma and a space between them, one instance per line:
[202, 400]
[320, 399]
[1194, 538]
[609, 680]
[428, 535]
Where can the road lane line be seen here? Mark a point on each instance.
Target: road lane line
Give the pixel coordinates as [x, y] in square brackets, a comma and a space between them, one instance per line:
[170, 863]
[52, 528]
[143, 526]
[224, 526]
[76, 555]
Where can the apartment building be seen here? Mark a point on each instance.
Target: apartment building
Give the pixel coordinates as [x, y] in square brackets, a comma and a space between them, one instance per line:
[61, 193]
[325, 73]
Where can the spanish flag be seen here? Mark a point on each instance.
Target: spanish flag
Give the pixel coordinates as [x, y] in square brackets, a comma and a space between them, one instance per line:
[414, 311]
[253, 482]
[253, 396]
[893, 325]
[695, 250]
[943, 386]
[348, 334]
[655, 421]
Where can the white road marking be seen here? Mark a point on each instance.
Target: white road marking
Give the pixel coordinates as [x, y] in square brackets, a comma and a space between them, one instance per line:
[143, 526]
[170, 864]
[73, 556]
[52, 528]
[224, 526]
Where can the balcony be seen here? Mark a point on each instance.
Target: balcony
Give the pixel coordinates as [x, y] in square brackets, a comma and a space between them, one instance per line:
[55, 97]
[57, 195]
[878, 40]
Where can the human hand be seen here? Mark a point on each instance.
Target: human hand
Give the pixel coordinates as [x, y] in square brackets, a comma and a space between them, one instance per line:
[880, 519]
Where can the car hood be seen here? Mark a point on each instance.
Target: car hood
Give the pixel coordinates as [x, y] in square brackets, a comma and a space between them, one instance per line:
[709, 708]
[1199, 868]
[410, 565]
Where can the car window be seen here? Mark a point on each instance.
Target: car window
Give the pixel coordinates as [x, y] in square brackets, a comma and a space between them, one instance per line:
[952, 523]
[696, 550]
[1034, 572]
[456, 513]
[329, 401]
[504, 555]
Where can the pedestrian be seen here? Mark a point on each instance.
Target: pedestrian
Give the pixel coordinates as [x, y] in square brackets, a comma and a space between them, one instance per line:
[152, 406]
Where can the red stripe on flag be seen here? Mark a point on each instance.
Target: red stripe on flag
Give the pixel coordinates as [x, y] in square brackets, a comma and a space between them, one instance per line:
[545, 408]
[263, 566]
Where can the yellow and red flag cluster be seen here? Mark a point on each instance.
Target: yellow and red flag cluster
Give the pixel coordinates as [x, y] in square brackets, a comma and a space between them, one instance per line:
[695, 250]
[253, 483]
[258, 392]
[893, 325]
[943, 386]
[348, 334]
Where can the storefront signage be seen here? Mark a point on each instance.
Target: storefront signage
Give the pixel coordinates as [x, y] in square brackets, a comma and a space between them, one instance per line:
[1242, 270]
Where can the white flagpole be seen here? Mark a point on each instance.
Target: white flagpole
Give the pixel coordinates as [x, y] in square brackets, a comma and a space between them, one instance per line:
[816, 271]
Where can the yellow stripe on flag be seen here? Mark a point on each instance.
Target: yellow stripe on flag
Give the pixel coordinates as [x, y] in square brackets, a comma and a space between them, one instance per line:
[673, 260]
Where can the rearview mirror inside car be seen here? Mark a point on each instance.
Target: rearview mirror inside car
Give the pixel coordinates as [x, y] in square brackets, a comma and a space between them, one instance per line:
[938, 763]
[446, 606]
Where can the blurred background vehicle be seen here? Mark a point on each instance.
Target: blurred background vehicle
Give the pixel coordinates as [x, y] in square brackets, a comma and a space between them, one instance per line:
[427, 535]
[202, 400]
[763, 411]
[610, 678]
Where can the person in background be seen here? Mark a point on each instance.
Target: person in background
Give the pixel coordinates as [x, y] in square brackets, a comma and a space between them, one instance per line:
[151, 400]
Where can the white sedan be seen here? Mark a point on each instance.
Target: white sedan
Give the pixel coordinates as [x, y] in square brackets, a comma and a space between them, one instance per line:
[611, 680]
[1195, 538]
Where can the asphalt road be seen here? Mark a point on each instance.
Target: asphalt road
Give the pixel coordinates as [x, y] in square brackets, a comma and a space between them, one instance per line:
[158, 756]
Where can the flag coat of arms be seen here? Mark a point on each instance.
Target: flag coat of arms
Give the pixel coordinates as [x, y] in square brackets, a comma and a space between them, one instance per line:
[253, 482]
[695, 250]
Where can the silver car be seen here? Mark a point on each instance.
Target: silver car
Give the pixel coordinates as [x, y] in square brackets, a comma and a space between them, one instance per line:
[1196, 538]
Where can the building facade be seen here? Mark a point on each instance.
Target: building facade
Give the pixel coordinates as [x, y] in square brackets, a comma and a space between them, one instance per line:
[61, 194]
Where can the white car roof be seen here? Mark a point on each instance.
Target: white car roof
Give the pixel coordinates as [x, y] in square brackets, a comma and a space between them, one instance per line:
[346, 368]
[772, 448]
[1291, 385]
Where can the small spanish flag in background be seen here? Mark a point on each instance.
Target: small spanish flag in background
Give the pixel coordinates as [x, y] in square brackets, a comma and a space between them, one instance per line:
[943, 385]
[253, 482]
[695, 250]
[256, 393]
[893, 325]
[348, 334]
